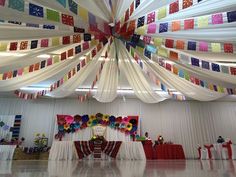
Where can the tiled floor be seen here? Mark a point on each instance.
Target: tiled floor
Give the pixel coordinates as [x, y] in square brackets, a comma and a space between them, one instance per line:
[188, 168]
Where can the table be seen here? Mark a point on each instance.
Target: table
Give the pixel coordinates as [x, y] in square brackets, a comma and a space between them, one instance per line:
[169, 151]
[63, 150]
[131, 151]
[148, 149]
[7, 151]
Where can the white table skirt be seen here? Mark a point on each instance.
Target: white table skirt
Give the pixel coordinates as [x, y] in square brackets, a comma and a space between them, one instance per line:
[233, 147]
[131, 151]
[63, 150]
[7, 152]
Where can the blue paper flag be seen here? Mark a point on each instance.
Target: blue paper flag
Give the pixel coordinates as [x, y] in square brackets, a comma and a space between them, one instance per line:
[192, 45]
[17, 5]
[195, 61]
[36, 10]
[48, 26]
[34, 44]
[151, 48]
[181, 73]
[73, 6]
[205, 64]
[140, 21]
[163, 27]
[147, 53]
[77, 49]
[231, 16]
[62, 2]
[215, 67]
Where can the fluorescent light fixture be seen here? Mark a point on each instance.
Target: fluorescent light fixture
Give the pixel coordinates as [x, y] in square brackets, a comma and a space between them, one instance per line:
[34, 88]
[44, 56]
[11, 54]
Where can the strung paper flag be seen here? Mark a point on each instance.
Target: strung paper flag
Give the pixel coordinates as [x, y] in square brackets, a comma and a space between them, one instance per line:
[217, 19]
[184, 59]
[35, 10]
[36, 67]
[141, 30]
[127, 15]
[34, 44]
[231, 16]
[83, 13]
[23, 45]
[180, 44]
[66, 40]
[31, 68]
[53, 15]
[85, 45]
[201, 83]
[181, 73]
[3, 46]
[176, 25]
[163, 52]
[215, 67]
[20, 72]
[70, 53]
[174, 55]
[77, 49]
[33, 25]
[186, 76]
[62, 2]
[48, 26]
[44, 43]
[151, 49]
[67, 19]
[151, 17]
[56, 59]
[43, 64]
[168, 66]
[147, 53]
[169, 43]
[140, 21]
[131, 25]
[174, 7]
[131, 8]
[2, 2]
[192, 45]
[5, 127]
[195, 61]
[188, 24]
[203, 46]
[215, 47]
[175, 70]
[73, 6]
[161, 13]
[228, 48]
[17, 4]
[158, 41]
[163, 27]
[147, 39]
[76, 38]
[78, 30]
[55, 41]
[225, 69]
[135, 38]
[13, 46]
[87, 37]
[187, 3]
[63, 56]
[137, 3]
[92, 18]
[203, 22]
[233, 70]
[151, 28]
[15, 73]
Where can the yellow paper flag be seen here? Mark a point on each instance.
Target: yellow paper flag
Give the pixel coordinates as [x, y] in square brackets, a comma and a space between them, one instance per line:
[215, 47]
[55, 41]
[26, 70]
[140, 49]
[83, 13]
[55, 59]
[142, 30]
[158, 41]
[203, 22]
[163, 52]
[3, 46]
[94, 42]
[1, 75]
[161, 13]
[65, 78]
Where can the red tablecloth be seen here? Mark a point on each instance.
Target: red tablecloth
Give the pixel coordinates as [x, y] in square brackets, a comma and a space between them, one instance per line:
[148, 149]
[168, 151]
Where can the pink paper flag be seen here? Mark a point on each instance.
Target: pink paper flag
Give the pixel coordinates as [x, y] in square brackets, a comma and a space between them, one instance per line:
[203, 46]
[147, 39]
[20, 72]
[44, 43]
[217, 19]
[49, 61]
[152, 28]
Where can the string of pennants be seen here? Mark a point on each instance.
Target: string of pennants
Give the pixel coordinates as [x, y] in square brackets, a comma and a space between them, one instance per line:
[153, 16]
[69, 75]
[69, 54]
[43, 43]
[155, 80]
[4, 126]
[84, 97]
[154, 46]
[183, 74]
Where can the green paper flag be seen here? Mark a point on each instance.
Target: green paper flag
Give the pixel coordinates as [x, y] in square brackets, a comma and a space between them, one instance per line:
[53, 15]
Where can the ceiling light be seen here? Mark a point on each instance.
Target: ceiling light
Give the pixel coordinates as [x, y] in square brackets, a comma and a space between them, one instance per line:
[44, 56]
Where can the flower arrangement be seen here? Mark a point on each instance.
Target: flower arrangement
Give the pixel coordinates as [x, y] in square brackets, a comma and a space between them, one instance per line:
[40, 140]
[71, 124]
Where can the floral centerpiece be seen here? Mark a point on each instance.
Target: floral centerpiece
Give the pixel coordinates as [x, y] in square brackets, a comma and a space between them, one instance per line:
[40, 141]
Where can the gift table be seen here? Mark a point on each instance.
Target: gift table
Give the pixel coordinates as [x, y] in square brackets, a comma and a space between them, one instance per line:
[168, 151]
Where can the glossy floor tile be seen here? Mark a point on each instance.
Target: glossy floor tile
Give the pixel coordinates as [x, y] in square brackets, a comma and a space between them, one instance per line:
[188, 168]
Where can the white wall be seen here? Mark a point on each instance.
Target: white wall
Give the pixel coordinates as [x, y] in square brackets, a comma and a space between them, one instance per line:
[188, 123]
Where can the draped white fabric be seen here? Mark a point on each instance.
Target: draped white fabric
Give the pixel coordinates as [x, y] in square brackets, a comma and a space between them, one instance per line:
[7, 151]
[9, 121]
[136, 79]
[188, 123]
[108, 83]
[63, 150]
[131, 151]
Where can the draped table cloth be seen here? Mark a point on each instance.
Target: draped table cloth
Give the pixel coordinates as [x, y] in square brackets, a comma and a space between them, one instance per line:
[7, 151]
[148, 149]
[169, 151]
[131, 151]
[63, 150]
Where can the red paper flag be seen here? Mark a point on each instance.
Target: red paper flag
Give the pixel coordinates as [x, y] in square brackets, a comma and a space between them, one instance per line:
[13, 46]
[174, 7]
[66, 40]
[188, 24]
[23, 45]
[67, 19]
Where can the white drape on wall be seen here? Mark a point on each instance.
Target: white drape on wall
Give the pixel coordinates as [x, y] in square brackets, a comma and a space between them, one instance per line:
[9, 121]
[188, 123]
